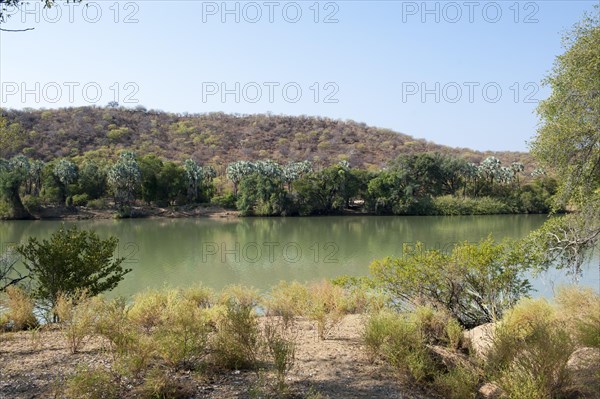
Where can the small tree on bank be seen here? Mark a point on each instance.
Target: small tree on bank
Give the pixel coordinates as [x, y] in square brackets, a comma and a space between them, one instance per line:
[70, 262]
[475, 283]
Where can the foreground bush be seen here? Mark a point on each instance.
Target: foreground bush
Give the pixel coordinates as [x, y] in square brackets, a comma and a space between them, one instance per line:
[475, 283]
[92, 383]
[326, 306]
[399, 341]
[530, 352]
[236, 343]
[288, 301]
[579, 309]
[77, 317]
[20, 314]
[71, 261]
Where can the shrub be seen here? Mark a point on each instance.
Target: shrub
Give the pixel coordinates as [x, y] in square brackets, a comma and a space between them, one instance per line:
[361, 293]
[436, 326]
[80, 199]
[377, 329]
[579, 308]
[99, 204]
[78, 319]
[458, 383]
[158, 384]
[182, 335]
[136, 355]
[113, 324]
[237, 340]
[32, 203]
[20, 309]
[530, 351]
[282, 351]
[400, 342]
[72, 260]
[226, 201]
[147, 309]
[325, 306]
[91, 383]
[476, 283]
[202, 297]
[287, 300]
[449, 205]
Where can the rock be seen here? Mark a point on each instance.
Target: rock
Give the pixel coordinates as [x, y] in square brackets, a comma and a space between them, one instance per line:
[451, 359]
[490, 391]
[479, 339]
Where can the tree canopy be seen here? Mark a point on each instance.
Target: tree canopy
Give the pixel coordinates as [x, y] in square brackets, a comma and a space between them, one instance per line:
[568, 143]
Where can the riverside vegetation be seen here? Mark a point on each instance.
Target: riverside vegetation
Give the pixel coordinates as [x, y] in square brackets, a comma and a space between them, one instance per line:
[418, 184]
[414, 320]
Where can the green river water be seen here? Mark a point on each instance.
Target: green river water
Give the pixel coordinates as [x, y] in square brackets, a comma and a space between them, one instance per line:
[262, 251]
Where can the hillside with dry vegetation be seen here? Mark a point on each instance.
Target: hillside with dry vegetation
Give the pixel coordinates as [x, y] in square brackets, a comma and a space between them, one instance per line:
[215, 138]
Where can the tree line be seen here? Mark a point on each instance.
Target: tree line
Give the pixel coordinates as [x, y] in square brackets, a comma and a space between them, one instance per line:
[411, 184]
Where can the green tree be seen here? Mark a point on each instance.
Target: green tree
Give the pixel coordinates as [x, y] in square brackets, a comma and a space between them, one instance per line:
[171, 183]
[150, 167]
[262, 195]
[66, 174]
[568, 140]
[12, 175]
[391, 192]
[329, 190]
[568, 143]
[125, 178]
[476, 283]
[70, 262]
[194, 175]
[92, 180]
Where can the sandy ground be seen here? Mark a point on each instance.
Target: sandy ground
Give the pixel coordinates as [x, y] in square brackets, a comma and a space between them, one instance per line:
[84, 213]
[32, 365]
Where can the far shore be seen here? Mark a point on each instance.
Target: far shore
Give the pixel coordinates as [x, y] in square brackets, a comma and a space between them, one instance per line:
[170, 212]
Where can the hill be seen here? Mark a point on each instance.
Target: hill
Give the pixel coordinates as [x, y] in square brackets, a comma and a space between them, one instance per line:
[216, 138]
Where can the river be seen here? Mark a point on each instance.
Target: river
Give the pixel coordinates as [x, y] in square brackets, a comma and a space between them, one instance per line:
[262, 251]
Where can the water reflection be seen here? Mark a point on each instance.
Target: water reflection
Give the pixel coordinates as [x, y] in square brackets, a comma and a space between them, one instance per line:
[262, 251]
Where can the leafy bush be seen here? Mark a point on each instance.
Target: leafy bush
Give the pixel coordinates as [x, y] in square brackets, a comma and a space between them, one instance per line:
[530, 351]
[362, 294]
[31, 203]
[182, 336]
[282, 351]
[80, 199]
[147, 309]
[226, 201]
[99, 204]
[70, 261]
[237, 340]
[287, 300]
[92, 383]
[437, 327]
[200, 296]
[78, 319]
[449, 205]
[158, 384]
[20, 309]
[325, 306]
[579, 308]
[399, 341]
[113, 324]
[476, 283]
[458, 383]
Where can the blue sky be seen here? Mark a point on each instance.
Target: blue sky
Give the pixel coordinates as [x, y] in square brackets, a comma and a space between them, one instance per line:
[464, 74]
